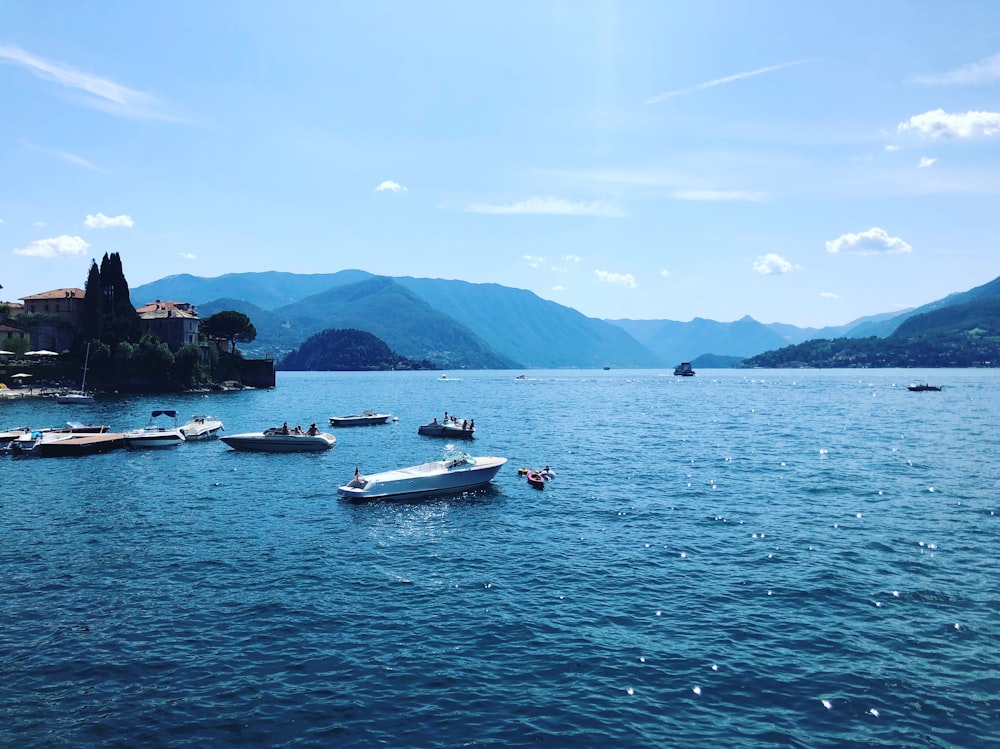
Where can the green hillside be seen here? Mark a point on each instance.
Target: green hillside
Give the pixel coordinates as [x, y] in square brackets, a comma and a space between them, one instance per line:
[346, 351]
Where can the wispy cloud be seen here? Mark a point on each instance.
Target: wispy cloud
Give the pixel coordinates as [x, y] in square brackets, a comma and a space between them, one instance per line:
[549, 206]
[64, 155]
[975, 73]
[390, 186]
[892, 148]
[64, 246]
[771, 263]
[559, 287]
[925, 161]
[572, 259]
[941, 124]
[188, 255]
[534, 260]
[872, 242]
[721, 81]
[617, 279]
[732, 195]
[100, 221]
[98, 93]
[829, 295]
[665, 273]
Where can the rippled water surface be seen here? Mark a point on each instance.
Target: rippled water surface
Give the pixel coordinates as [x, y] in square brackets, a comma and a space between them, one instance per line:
[740, 558]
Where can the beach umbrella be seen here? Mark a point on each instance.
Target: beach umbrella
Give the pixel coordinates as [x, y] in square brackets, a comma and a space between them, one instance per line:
[6, 353]
[41, 352]
[19, 375]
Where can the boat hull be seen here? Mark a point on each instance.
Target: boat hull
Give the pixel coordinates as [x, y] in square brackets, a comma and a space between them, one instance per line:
[361, 420]
[81, 444]
[261, 442]
[145, 439]
[202, 428]
[426, 480]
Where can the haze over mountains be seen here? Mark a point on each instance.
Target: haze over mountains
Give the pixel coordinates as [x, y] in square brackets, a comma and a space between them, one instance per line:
[458, 324]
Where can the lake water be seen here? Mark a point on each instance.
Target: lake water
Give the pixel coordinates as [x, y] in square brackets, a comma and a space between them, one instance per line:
[741, 558]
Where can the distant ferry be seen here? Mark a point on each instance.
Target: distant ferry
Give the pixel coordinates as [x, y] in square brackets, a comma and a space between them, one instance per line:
[684, 369]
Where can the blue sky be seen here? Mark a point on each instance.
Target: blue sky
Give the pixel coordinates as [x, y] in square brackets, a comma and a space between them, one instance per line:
[805, 163]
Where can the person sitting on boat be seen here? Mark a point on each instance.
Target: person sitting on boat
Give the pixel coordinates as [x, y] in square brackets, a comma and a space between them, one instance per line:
[358, 479]
[434, 420]
[284, 428]
[313, 430]
[298, 429]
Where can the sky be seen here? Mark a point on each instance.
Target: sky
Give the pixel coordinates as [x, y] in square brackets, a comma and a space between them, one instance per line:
[803, 163]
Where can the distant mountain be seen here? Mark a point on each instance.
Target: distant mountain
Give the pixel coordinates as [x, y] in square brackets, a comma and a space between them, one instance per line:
[536, 332]
[267, 290]
[346, 351]
[408, 324]
[675, 342]
[512, 324]
[960, 335]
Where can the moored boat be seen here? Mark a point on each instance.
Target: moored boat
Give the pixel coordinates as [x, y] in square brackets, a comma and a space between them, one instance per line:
[366, 418]
[456, 473]
[202, 427]
[81, 444]
[278, 440]
[155, 434]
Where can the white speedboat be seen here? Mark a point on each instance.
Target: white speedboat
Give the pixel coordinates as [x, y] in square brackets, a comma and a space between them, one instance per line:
[368, 418]
[457, 473]
[450, 430]
[202, 427]
[280, 441]
[155, 434]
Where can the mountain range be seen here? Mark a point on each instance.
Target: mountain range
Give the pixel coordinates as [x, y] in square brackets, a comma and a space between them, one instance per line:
[457, 324]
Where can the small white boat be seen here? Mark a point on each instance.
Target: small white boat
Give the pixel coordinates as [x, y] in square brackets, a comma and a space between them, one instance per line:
[367, 418]
[81, 396]
[457, 473]
[155, 434]
[278, 440]
[202, 427]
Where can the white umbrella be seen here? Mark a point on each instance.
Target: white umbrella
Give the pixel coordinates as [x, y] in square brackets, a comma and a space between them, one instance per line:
[41, 352]
[19, 375]
[6, 353]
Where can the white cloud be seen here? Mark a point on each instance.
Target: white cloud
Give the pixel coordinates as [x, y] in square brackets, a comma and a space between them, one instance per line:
[926, 161]
[771, 263]
[188, 255]
[99, 93]
[721, 81]
[747, 195]
[390, 186]
[534, 261]
[549, 206]
[39, 224]
[938, 124]
[1, 220]
[559, 287]
[572, 259]
[100, 221]
[829, 295]
[618, 279]
[983, 71]
[871, 242]
[64, 246]
[891, 148]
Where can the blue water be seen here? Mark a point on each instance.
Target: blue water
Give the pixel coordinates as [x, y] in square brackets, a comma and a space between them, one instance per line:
[742, 558]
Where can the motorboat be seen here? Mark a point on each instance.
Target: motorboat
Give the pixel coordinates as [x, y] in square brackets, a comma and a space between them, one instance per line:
[446, 378]
[922, 387]
[684, 369]
[364, 419]
[202, 427]
[456, 473]
[461, 430]
[155, 434]
[77, 444]
[280, 440]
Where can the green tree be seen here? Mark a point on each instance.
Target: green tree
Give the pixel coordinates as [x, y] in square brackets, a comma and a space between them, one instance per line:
[229, 325]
